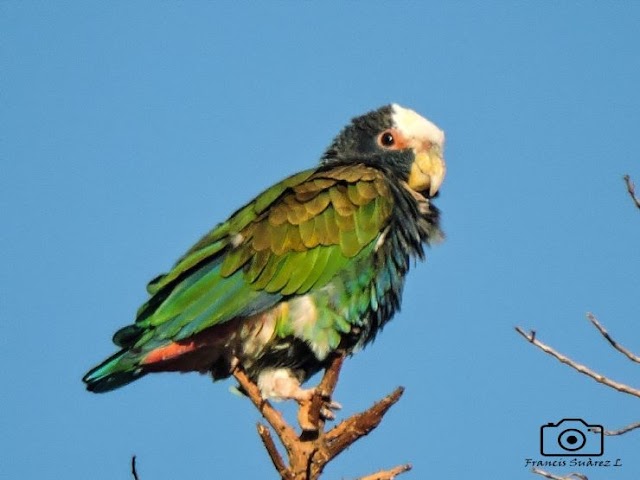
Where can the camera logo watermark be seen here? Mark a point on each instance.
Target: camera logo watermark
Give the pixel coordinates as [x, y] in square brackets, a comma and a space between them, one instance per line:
[571, 437]
[573, 443]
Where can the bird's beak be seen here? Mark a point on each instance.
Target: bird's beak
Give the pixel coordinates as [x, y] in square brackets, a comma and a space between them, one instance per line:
[428, 170]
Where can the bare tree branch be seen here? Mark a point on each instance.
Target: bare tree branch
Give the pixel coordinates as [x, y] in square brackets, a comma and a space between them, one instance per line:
[272, 450]
[571, 476]
[631, 188]
[621, 387]
[622, 430]
[350, 430]
[630, 355]
[388, 474]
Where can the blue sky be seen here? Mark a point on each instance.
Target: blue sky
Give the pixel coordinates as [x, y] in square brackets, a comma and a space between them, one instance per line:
[129, 129]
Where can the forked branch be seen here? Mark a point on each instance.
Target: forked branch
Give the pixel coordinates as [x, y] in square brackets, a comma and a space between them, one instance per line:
[598, 377]
[621, 387]
[311, 450]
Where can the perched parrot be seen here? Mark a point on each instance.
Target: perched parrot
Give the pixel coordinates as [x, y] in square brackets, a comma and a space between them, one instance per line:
[314, 264]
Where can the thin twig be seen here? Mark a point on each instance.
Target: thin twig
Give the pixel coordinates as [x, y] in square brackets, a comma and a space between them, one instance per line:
[571, 476]
[272, 450]
[631, 188]
[630, 355]
[388, 474]
[134, 472]
[621, 387]
[623, 430]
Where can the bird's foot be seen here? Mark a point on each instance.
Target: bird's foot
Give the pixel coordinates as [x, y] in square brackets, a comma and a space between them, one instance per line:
[281, 384]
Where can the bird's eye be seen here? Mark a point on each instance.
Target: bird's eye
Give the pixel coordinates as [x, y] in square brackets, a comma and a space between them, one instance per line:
[386, 139]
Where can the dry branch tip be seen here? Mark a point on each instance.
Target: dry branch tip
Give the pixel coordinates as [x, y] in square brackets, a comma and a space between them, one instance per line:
[388, 474]
[631, 188]
[134, 471]
[607, 336]
[623, 430]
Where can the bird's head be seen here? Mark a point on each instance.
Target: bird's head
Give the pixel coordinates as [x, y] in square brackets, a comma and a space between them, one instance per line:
[397, 140]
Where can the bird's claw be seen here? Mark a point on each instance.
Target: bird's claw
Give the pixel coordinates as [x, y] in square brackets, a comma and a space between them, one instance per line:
[317, 407]
[327, 409]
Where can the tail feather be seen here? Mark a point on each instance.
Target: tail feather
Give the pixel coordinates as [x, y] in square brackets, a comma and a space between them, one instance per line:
[115, 372]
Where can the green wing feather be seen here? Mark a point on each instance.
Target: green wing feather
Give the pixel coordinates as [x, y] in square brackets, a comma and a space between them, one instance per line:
[294, 237]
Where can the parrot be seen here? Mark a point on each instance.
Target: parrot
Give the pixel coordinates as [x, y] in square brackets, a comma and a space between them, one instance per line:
[313, 265]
